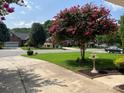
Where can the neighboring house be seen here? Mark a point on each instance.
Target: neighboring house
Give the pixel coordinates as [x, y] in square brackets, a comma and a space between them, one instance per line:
[48, 43]
[21, 38]
[69, 43]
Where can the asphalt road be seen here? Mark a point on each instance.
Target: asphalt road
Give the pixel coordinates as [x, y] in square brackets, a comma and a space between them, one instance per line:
[10, 52]
[17, 52]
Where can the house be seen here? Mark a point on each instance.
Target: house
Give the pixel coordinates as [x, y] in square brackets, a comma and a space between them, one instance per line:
[48, 43]
[19, 38]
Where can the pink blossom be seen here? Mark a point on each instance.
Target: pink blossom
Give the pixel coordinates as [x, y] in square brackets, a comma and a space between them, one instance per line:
[10, 10]
[5, 5]
[2, 18]
[87, 33]
[53, 28]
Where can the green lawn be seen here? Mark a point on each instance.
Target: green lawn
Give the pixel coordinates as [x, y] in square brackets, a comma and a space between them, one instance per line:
[68, 60]
[34, 48]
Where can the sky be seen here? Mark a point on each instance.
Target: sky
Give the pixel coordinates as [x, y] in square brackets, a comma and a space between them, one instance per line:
[42, 10]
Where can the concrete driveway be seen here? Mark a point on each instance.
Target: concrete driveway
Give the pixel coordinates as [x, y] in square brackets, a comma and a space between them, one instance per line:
[24, 75]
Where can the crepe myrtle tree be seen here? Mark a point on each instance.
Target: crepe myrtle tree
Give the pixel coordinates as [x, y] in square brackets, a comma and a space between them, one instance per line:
[82, 24]
[5, 8]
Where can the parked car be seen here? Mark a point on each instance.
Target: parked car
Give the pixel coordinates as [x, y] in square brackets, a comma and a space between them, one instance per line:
[114, 49]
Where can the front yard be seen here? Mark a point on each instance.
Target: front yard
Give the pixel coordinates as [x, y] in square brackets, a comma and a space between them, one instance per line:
[68, 60]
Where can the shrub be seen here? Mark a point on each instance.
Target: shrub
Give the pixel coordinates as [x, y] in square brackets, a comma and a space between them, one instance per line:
[119, 62]
[36, 53]
[30, 52]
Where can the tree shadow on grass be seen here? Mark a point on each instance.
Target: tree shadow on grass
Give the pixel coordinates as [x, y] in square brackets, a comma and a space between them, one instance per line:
[105, 64]
[87, 64]
[23, 81]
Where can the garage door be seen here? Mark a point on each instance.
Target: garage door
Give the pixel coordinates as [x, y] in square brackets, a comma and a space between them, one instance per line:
[11, 44]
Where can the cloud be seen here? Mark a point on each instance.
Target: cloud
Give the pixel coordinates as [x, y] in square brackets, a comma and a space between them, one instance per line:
[113, 7]
[21, 24]
[29, 4]
[11, 17]
[42, 22]
[29, 7]
[23, 12]
[37, 7]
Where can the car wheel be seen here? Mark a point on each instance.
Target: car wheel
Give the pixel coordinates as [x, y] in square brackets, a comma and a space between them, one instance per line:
[108, 51]
[121, 52]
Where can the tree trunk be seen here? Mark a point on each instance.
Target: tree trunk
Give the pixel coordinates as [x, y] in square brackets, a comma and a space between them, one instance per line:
[82, 50]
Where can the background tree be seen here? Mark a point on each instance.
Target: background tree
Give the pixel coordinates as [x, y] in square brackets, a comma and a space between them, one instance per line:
[47, 24]
[21, 30]
[101, 39]
[82, 24]
[38, 36]
[121, 29]
[110, 39]
[46, 27]
[4, 32]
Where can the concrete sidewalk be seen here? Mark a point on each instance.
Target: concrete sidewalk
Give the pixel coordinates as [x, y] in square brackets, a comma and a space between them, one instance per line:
[111, 80]
[24, 75]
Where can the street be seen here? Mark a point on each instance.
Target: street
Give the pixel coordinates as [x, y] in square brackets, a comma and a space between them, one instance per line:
[18, 51]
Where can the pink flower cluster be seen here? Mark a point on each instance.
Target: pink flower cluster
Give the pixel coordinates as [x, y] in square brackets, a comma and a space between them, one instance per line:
[54, 27]
[6, 9]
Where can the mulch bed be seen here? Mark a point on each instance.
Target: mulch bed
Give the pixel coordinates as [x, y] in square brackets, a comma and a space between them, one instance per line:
[100, 73]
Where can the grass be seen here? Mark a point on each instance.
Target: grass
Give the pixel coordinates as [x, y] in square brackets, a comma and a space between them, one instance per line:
[34, 48]
[68, 60]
